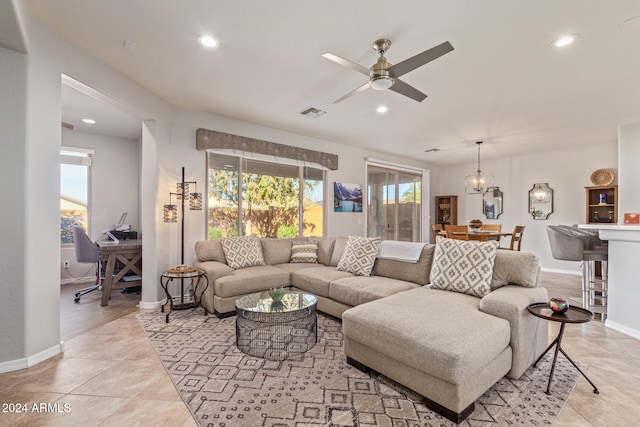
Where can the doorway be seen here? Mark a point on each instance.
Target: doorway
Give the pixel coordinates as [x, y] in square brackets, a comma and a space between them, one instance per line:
[394, 203]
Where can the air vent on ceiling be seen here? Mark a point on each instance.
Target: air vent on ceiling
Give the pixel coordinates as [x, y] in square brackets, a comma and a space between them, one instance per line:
[67, 125]
[313, 112]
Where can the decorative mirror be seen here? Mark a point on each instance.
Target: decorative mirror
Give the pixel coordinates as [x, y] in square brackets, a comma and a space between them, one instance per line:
[541, 201]
[492, 203]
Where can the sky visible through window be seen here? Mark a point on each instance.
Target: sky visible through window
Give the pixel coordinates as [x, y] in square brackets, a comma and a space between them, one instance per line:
[73, 182]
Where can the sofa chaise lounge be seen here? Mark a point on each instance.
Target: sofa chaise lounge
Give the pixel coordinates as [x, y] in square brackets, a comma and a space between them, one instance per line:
[448, 346]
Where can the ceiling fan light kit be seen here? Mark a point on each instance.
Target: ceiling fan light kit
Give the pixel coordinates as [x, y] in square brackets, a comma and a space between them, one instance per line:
[383, 75]
[478, 181]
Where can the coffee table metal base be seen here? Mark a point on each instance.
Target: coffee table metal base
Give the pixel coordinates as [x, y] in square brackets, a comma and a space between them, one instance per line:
[276, 336]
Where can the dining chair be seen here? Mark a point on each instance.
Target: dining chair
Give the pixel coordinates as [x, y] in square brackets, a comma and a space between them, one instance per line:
[435, 230]
[491, 227]
[459, 232]
[516, 238]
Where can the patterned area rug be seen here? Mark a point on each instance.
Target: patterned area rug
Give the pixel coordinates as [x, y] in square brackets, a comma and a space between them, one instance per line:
[223, 387]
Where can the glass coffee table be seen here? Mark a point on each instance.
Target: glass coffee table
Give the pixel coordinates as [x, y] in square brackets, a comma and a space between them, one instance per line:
[276, 330]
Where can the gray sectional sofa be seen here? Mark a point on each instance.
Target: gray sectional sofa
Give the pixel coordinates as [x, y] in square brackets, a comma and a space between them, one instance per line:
[450, 347]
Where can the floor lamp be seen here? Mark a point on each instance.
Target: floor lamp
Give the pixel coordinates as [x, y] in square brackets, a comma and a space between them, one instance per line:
[170, 211]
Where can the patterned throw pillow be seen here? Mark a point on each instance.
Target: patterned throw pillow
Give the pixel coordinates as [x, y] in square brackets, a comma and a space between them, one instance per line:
[304, 252]
[359, 255]
[244, 251]
[464, 266]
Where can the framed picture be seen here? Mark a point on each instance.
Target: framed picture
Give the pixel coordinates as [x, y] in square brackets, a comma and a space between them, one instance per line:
[347, 197]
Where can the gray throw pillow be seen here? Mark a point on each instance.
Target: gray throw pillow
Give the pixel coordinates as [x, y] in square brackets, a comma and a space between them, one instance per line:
[304, 253]
[243, 251]
[359, 255]
[464, 266]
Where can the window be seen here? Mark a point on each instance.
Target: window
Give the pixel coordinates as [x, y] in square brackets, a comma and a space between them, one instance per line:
[275, 199]
[74, 191]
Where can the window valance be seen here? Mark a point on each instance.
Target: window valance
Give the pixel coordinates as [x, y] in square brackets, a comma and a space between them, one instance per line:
[210, 139]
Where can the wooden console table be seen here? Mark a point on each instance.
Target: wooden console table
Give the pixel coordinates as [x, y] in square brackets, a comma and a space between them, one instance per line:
[121, 258]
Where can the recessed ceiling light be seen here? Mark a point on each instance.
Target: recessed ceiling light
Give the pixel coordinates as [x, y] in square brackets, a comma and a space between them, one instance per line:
[89, 121]
[208, 41]
[382, 109]
[564, 40]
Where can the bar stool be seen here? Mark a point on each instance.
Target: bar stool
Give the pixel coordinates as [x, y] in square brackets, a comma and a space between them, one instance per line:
[595, 251]
[573, 244]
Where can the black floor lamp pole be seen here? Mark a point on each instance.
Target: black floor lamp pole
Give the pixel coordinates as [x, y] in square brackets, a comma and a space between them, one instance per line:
[182, 220]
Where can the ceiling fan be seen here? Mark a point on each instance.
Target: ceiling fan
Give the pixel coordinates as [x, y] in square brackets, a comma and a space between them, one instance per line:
[383, 75]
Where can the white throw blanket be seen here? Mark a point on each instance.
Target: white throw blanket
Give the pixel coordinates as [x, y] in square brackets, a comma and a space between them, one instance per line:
[400, 251]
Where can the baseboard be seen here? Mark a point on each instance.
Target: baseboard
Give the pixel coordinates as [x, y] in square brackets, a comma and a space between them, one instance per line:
[557, 270]
[27, 362]
[623, 329]
[144, 305]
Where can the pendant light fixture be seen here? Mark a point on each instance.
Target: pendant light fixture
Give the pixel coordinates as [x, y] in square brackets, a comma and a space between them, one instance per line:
[478, 181]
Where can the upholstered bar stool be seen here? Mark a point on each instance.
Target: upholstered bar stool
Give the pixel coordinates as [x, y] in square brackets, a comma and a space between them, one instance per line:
[572, 244]
[595, 251]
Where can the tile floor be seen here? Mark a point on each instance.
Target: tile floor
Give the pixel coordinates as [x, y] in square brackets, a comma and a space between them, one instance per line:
[110, 376]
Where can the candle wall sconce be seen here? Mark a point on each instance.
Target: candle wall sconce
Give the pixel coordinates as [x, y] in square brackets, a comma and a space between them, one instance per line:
[541, 201]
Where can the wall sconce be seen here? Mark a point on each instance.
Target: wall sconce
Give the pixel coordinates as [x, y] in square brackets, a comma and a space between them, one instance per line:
[541, 201]
[170, 211]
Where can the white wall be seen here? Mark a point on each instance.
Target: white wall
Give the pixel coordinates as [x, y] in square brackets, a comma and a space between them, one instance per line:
[115, 188]
[13, 105]
[566, 171]
[629, 148]
[30, 120]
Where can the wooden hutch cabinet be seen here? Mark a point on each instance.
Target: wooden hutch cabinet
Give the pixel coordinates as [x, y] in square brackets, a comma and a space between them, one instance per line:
[447, 210]
[602, 204]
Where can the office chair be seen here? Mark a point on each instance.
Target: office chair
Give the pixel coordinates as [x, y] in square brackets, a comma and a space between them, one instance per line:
[87, 252]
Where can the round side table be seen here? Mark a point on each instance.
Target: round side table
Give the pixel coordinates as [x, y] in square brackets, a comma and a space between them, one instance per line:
[572, 315]
[183, 302]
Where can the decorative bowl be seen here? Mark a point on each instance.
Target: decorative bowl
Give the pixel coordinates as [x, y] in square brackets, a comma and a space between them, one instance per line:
[603, 177]
[474, 224]
[558, 305]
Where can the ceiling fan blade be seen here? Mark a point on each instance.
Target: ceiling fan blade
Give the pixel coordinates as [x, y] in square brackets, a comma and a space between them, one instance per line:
[404, 89]
[353, 92]
[346, 63]
[402, 68]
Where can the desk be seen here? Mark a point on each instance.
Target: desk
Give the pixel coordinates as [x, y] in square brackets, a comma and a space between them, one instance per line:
[482, 235]
[127, 256]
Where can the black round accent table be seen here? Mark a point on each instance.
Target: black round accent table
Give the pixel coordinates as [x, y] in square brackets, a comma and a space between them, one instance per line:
[572, 315]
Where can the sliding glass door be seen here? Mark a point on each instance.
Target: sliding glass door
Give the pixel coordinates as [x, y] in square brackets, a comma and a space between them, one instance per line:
[394, 204]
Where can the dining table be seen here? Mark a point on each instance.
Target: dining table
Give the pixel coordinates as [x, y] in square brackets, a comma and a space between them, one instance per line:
[482, 235]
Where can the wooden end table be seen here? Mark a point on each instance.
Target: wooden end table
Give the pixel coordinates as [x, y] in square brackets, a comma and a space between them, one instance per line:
[572, 315]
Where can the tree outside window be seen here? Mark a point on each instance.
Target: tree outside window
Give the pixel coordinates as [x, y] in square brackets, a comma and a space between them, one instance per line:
[270, 199]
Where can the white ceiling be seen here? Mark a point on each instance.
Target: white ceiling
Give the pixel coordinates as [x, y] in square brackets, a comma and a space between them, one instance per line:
[109, 120]
[503, 83]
